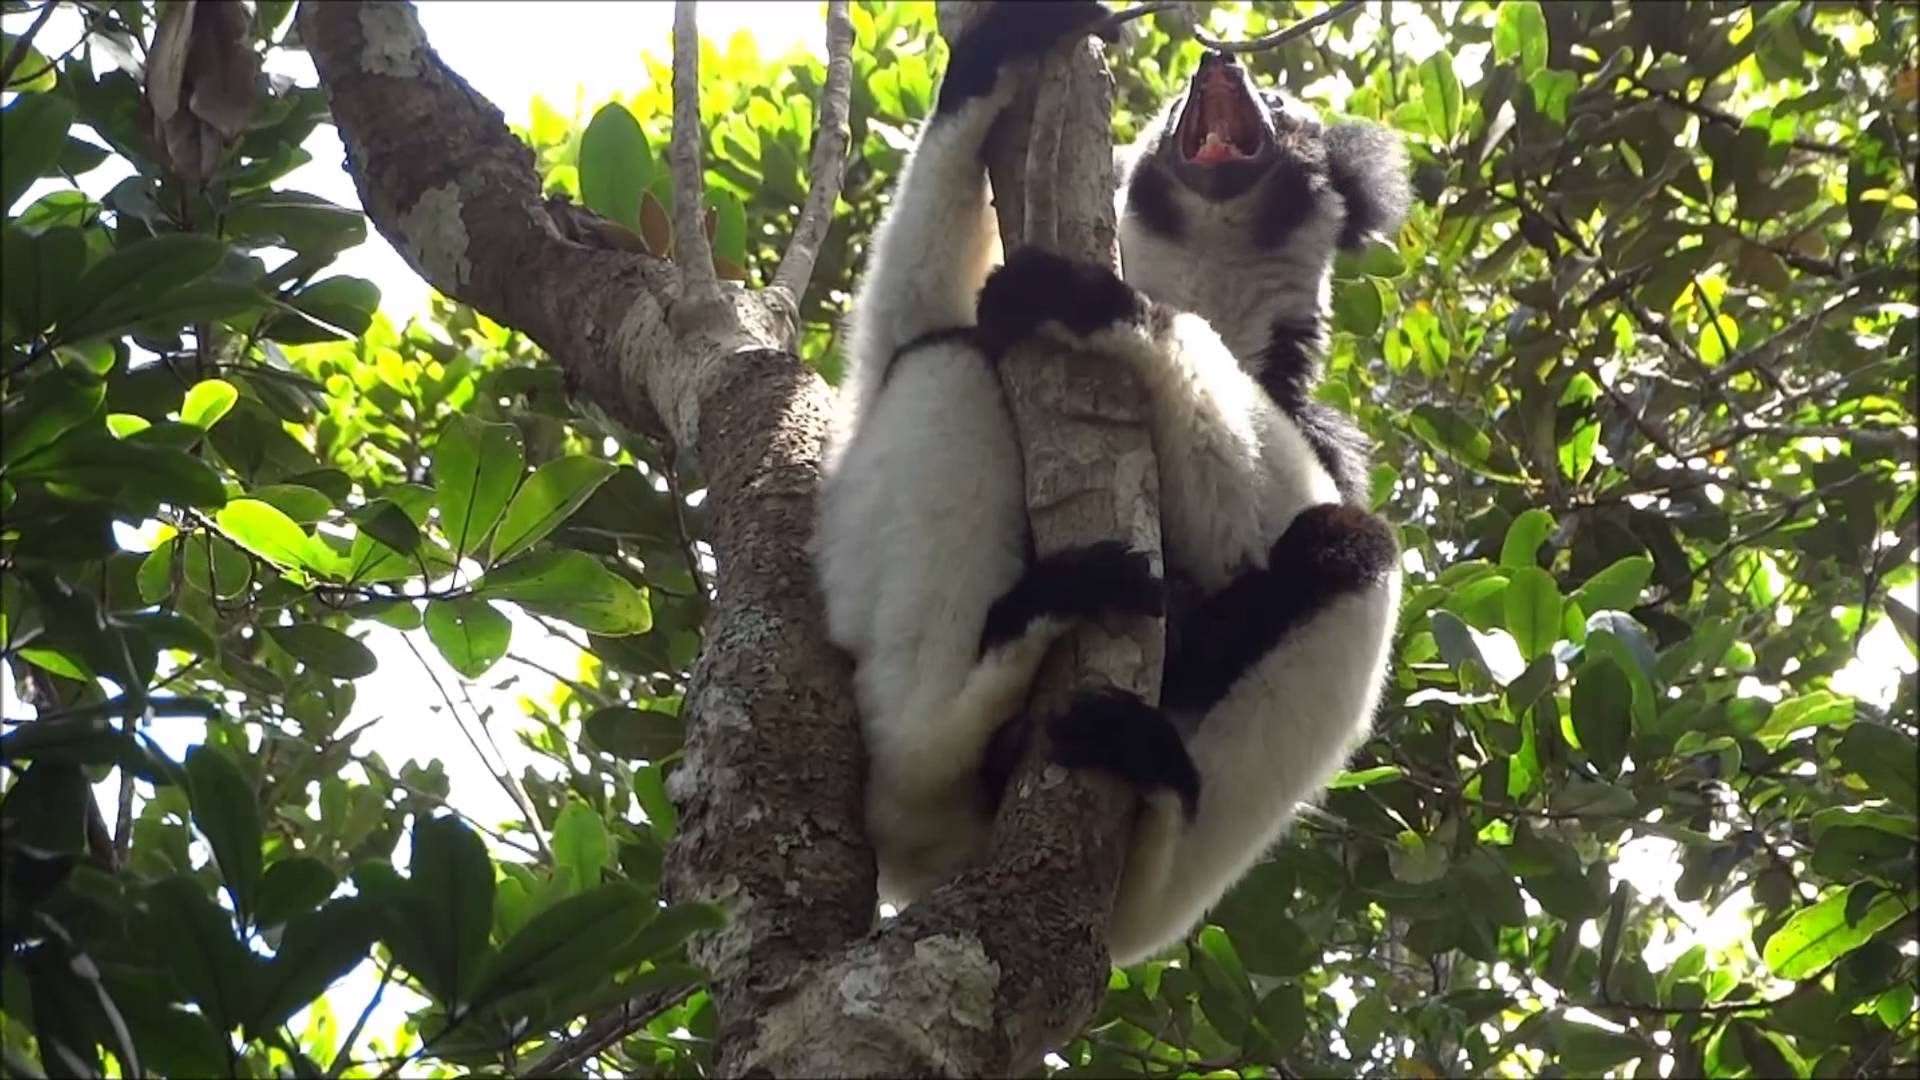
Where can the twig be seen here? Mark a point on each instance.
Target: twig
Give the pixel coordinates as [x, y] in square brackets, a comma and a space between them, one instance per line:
[502, 775]
[691, 253]
[828, 168]
[603, 1031]
[18, 53]
[1280, 37]
[1718, 116]
[343, 1057]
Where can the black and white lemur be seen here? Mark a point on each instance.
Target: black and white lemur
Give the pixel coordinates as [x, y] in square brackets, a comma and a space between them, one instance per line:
[1234, 202]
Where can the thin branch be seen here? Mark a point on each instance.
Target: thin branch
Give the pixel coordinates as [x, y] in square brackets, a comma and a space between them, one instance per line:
[1720, 116]
[1280, 37]
[344, 1057]
[502, 775]
[603, 1031]
[691, 252]
[18, 53]
[828, 168]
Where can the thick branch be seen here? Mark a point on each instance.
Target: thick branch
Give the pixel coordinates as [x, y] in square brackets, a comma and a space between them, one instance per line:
[828, 166]
[768, 792]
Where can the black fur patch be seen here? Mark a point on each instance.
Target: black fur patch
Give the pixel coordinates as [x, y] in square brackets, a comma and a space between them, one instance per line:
[1087, 583]
[1036, 286]
[951, 335]
[1328, 551]
[1150, 198]
[1286, 200]
[1116, 732]
[1291, 361]
[1367, 165]
[1340, 448]
[1010, 31]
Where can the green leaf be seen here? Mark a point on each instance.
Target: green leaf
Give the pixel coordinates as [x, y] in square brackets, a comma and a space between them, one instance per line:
[1603, 713]
[615, 165]
[32, 73]
[46, 808]
[730, 227]
[1821, 708]
[1520, 36]
[452, 881]
[1440, 95]
[469, 632]
[1455, 640]
[136, 281]
[40, 271]
[324, 650]
[96, 461]
[1357, 307]
[195, 943]
[1533, 611]
[262, 529]
[475, 468]
[570, 585]
[1586, 1050]
[207, 402]
[34, 131]
[1551, 92]
[1885, 758]
[637, 734]
[1254, 912]
[1818, 935]
[293, 886]
[1524, 538]
[573, 939]
[1616, 588]
[673, 925]
[305, 223]
[554, 491]
[300, 503]
[1379, 774]
[338, 307]
[54, 404]
[317, 948]
[580, 844]
[385, 521]
[227, 813]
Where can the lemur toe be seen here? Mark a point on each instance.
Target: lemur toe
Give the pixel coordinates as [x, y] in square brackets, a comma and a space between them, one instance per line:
[1116, 732]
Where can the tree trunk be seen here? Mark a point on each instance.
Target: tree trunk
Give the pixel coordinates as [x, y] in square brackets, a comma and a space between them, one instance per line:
[991, 970]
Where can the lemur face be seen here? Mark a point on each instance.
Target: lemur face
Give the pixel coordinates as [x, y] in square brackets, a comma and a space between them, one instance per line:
[1237, 197]
[1254, 163]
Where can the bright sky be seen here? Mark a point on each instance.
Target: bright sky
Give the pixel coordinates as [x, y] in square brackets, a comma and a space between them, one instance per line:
[573, 52]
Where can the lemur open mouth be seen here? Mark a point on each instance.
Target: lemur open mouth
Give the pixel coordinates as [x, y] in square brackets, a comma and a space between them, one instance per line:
[1222, 121]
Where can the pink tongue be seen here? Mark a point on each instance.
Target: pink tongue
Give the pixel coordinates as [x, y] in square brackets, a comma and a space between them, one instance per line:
[1216, 149]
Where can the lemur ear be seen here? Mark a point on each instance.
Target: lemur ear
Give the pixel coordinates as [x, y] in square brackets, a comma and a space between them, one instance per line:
[1368, 166]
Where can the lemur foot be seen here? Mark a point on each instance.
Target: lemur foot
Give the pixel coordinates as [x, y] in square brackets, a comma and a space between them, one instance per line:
[1339, 546]
[1116, 732]
[1011, 34]
[1037, 287]
[1080, 583]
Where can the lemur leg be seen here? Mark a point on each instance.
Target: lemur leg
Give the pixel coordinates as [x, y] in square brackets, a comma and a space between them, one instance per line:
[923, 545]
[1283, 669]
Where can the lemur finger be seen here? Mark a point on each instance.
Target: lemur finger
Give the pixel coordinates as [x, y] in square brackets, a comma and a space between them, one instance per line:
[1080, 583]
[1038, 286]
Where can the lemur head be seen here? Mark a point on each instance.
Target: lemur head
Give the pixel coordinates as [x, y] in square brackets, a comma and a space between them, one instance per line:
[1236, 199]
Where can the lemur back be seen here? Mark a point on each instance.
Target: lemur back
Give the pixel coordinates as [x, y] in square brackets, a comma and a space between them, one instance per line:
[1232, 209]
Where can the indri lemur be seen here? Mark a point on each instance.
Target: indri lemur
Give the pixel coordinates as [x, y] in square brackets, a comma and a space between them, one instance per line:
[1233, 204]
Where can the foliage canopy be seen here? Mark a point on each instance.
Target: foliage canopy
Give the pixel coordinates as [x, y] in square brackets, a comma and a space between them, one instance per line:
[1640, 371]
